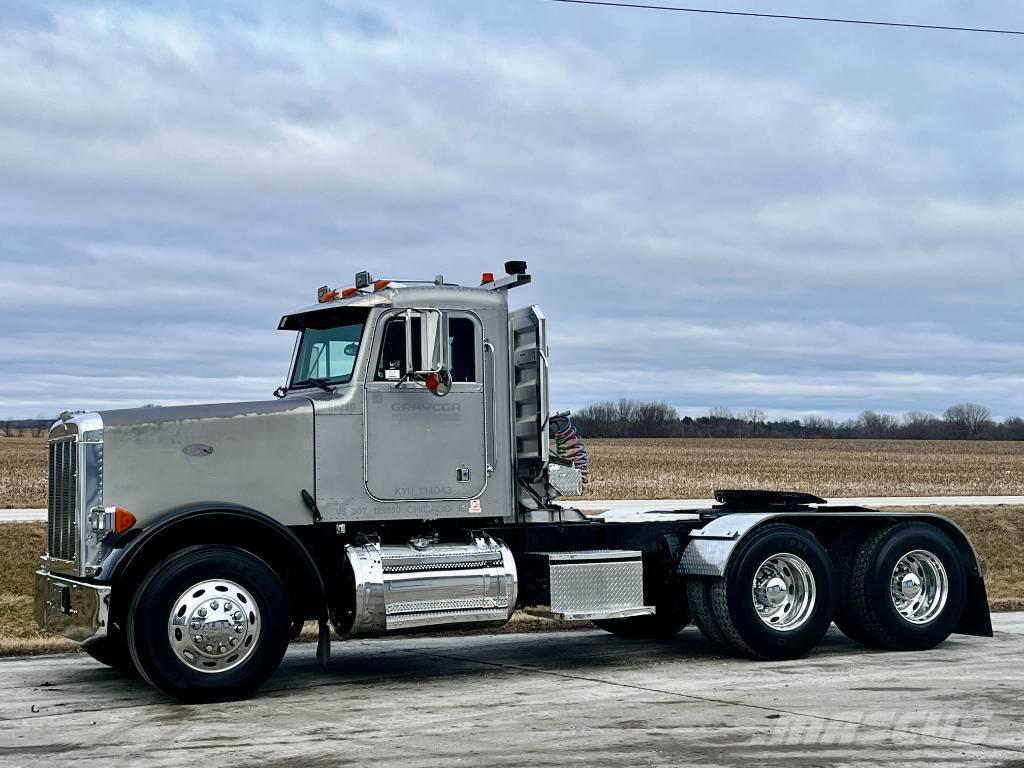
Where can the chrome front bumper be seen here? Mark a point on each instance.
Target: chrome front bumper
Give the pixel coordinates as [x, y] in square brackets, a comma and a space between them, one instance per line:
[71, 608]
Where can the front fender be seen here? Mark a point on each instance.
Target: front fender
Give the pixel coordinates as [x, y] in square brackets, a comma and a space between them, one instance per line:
[212, 522]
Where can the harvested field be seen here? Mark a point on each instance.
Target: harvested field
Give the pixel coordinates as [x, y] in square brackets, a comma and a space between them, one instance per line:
[22, 472]
[684, 468]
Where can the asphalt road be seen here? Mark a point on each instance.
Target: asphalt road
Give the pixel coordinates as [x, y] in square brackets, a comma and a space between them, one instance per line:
[578, 698]
[632, 506]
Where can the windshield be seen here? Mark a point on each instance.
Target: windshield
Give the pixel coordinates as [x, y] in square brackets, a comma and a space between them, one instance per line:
[328, 348]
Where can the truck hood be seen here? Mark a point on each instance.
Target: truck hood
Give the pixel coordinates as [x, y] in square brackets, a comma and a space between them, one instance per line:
[257, 455]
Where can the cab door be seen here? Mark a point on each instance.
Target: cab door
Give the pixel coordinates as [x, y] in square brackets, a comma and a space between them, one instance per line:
[419, 446]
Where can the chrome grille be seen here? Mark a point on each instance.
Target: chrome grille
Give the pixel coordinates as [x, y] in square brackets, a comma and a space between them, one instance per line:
[63, 490]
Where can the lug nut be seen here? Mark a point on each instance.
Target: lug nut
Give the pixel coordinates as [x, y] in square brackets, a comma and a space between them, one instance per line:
[227, 606]
[209, 649]
[237, 616]
[197, 638]
[221, 648]
[202, 612]
[214, 605]
[197, 625]
[233, 640]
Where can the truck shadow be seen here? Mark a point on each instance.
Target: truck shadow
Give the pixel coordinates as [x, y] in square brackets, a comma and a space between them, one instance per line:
[393, 661]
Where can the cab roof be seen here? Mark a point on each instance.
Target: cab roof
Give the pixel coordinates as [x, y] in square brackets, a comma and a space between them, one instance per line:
[426, 295]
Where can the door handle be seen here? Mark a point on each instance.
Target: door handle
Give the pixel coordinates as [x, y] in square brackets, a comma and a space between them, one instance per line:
[490, 445]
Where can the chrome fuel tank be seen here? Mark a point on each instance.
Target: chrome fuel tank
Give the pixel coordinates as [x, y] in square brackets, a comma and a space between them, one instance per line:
[425, 583]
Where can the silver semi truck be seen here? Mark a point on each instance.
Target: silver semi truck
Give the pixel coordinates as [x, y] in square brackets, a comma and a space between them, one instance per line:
[405, 479]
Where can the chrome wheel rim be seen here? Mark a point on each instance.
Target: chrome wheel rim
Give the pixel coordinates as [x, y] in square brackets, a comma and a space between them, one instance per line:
[214, 625]
[784, 592]
[919, 586]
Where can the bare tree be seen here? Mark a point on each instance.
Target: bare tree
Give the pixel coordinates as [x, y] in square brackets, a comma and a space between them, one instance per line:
[872, 424]
[921, 425]
[968, 419]
[654, 419]
[1012, 428]
[753, 419]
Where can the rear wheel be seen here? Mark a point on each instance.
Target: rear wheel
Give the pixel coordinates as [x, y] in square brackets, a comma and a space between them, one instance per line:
[843, 557]
[906, 587]
[209, 624]
[698, 590]
[775, 600]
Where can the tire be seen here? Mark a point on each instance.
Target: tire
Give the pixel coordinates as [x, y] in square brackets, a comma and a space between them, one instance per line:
[698, 591]
[874, 595]
[655, 627]
[802, 585]
[843, 557]
[209, 624]
[111, 650]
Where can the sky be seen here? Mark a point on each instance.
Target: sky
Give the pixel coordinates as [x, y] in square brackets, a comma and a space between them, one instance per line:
[718, 212]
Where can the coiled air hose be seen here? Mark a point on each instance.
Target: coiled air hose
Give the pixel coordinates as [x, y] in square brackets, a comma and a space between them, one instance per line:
[569, 445]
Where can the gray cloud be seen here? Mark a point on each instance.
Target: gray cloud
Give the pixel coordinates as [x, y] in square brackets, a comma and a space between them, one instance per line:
[800, 218]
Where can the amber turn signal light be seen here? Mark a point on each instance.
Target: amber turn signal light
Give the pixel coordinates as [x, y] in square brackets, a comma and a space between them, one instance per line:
[349, 292]
[123, 520]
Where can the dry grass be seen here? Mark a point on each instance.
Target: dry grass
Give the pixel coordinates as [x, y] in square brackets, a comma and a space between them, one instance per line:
[22, 472]
[683, 468]
[998, 536]
[20, 545]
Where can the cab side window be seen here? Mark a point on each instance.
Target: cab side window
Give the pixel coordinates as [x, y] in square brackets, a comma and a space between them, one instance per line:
[462, 349]
[391, 364]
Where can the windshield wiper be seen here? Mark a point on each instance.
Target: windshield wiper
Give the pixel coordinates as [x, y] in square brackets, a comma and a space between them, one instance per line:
[321, 383]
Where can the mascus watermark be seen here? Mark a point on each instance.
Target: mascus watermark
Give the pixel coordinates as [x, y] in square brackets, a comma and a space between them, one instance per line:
[899, 727]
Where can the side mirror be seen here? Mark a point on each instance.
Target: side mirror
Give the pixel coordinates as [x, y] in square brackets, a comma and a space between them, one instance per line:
[434, 341]
[280, 392]
[434, 355]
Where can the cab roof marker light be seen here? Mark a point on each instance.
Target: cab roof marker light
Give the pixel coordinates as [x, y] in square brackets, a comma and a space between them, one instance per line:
[381, 284]
[349, 292]
[324, 296]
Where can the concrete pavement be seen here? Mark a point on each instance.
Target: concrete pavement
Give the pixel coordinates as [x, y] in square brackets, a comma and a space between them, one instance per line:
[548, 699]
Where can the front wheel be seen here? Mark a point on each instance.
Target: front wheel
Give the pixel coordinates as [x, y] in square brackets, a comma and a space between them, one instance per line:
[209, 624]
